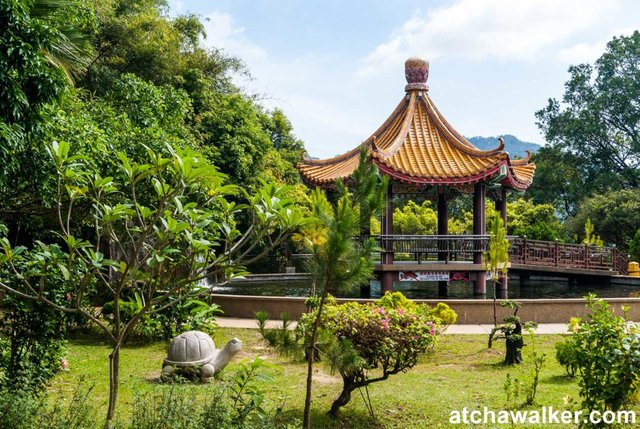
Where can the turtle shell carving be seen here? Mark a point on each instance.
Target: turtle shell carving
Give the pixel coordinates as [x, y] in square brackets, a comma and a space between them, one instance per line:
[191, 348]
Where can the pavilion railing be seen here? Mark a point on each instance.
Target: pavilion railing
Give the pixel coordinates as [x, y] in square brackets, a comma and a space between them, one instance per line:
[433, 247]
[521, 251]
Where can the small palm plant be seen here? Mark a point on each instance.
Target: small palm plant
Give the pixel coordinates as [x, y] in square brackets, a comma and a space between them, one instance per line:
[496, 259]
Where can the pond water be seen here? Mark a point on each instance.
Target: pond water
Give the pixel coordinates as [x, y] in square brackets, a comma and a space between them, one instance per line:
[536, 289]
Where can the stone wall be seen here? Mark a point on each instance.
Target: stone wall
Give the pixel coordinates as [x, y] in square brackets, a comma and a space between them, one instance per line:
[470, 311]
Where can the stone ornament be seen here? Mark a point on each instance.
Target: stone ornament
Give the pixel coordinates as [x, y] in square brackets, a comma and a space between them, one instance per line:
[195, 351]
[416, 71]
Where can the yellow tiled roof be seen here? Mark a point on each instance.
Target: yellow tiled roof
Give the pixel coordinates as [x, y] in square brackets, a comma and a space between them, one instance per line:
[417, 144]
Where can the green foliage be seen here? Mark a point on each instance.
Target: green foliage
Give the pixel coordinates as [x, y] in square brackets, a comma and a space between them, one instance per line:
[605, 352]
[566, 358]
[25, 410]
[234, 138]
[282, 338]
[182, 315]
[617, 215]
[589, 237]
[181, 230]
[42, 46]
[414, 219]
[522, 392]
[442, 314]
[497, 257]
[560, 180]
[239, 402]
[534, 221]
[634, 246]
[27, 77]
[511, 331]
[598, 121]
[387, 336]
[33, 332]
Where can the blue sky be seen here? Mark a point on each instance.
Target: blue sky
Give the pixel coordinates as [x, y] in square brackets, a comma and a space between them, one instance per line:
[336, 68]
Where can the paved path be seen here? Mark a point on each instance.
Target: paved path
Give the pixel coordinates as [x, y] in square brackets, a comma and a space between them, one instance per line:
[546, 328]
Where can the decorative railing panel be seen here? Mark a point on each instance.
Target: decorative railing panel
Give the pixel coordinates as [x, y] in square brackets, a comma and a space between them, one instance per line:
[433, 247]
[522, 251]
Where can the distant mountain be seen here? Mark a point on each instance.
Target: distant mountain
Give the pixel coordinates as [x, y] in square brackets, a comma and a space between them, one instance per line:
[512, 144]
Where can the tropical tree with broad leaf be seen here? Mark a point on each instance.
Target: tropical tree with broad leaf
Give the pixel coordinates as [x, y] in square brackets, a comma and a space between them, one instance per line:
[156, 229]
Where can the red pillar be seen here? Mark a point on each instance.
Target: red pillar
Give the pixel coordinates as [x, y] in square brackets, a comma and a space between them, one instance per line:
[387, 277]
[501, 207]
[443, 229]
[479, 228]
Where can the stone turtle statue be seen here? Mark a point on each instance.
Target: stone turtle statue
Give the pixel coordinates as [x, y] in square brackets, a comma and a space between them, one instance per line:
[194, 351]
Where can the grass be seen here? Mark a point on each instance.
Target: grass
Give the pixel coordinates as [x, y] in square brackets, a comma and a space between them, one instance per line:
[461, 372]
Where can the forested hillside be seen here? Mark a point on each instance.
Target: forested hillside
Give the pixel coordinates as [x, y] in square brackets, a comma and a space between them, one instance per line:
[512, 144]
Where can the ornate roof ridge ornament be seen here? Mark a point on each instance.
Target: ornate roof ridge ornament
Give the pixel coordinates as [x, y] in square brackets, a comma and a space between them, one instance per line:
[416, 71]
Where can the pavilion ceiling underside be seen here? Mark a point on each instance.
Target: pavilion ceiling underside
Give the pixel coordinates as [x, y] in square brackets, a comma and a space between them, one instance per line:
[417, 145]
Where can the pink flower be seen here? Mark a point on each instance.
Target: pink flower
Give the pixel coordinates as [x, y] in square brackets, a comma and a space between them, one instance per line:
[400, 311]
[385, 324]
[432, 332]
[69, 296]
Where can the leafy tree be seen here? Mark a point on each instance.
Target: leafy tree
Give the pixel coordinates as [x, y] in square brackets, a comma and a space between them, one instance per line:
[286, 146]
[156, 245]
[535, 221]
[598, 119]
[616, 215]
[634, 246]
[233, 138]
[561, 180]
[41, 46]
[589, 237]
[415, 219]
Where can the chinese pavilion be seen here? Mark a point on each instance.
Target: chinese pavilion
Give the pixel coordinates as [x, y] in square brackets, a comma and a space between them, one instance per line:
[423, 155]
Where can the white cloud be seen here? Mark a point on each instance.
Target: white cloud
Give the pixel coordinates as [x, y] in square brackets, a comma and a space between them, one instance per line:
[222, 33]
[497, 29]
[589, 52]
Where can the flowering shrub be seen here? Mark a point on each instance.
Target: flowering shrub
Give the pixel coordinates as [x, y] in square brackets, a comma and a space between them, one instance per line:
[604, 353]
[375, 340]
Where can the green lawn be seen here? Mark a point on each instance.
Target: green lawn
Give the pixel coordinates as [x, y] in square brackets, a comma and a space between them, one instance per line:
[461, 372]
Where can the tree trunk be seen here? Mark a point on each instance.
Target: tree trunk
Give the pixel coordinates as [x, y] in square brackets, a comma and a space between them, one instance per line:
[514, 344]
[114, 368]
[306, 422]
[345, 396]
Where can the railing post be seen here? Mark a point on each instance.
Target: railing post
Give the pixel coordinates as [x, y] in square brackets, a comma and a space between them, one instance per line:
[586, 255]
[557, 253]
[525, 251]
[614, 258]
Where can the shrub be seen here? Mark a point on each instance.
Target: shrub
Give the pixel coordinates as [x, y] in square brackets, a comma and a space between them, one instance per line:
[605, 353]
[239, 402]
[33, 333]
[566, 358]
[22, 409]
[184, 315]
[370, 342]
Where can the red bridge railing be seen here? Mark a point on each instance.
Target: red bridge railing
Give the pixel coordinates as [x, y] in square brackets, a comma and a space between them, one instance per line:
[522, 251]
